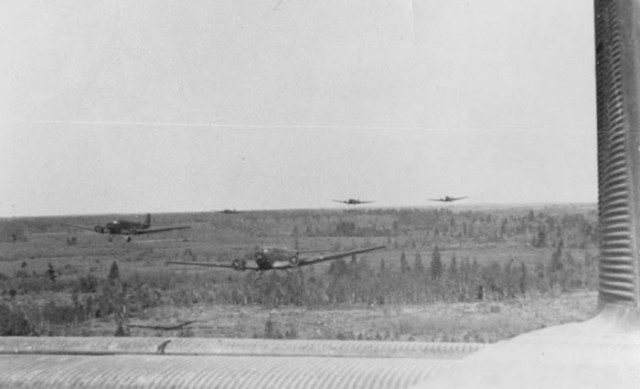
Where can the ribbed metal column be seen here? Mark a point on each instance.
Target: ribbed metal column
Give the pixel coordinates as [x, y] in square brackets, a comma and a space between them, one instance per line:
[617, 25]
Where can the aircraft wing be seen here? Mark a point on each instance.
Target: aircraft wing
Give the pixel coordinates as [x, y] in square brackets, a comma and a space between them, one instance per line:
[341, 201]
[224, 265]
[81, 227]
[154, 230]
[312, 251]
[365, 202]
[163, 327]
[435, 199]
[459, 198]
[331, 257]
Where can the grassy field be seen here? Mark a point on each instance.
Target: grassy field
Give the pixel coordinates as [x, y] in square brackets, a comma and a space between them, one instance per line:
[535, 267]
[437, 322]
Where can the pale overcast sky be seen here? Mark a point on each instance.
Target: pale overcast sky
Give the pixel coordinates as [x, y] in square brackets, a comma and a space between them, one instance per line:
[126, 106]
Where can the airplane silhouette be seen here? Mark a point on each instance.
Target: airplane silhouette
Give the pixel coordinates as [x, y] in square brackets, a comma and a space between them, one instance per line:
[449, 199]
[229, 211]
[272, 258]
[127, 227]
[352, 201]
[162, 327]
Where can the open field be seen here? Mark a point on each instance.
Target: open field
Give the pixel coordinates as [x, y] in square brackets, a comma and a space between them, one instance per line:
[437, 322]
[448, 274]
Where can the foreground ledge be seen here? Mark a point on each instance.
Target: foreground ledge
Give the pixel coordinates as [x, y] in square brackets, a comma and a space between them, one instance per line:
[603, 352]
[58, 362]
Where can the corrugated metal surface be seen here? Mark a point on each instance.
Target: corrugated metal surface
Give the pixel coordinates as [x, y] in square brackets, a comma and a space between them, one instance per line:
[209, 346]
[77, 345]
[155, 371]
[221, 363]
[321, 348]
[618, 161]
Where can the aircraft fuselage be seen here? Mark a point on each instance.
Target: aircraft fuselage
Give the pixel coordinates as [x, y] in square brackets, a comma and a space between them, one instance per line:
[121, 227]
[269, 258]
[355, 202]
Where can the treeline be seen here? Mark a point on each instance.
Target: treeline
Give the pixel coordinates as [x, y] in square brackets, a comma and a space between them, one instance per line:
[421, 228]
[417, 227]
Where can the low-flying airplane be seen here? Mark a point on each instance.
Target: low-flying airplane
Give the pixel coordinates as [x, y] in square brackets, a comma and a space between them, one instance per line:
[170, 327]
[128, 228]
[352, 201]
[272, 258]
[449, 199]
[229, 211]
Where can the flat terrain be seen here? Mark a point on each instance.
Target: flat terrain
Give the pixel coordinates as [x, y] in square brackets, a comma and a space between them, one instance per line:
[447, 274]
[437, 322]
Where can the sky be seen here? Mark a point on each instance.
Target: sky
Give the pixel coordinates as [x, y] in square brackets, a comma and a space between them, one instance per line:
[171, 106]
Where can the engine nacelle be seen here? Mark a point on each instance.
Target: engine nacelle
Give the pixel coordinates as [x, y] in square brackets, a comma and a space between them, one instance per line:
[294, 261]
[239, 264]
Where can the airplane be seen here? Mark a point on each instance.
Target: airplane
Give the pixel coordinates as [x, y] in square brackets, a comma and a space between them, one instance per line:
[162, 327]
[449, 199]
[229, 211]
[272, 258]
[129, 228]
[352, 201]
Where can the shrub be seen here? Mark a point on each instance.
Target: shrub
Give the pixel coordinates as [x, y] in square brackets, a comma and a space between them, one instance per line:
[13, 322]
[87, 284]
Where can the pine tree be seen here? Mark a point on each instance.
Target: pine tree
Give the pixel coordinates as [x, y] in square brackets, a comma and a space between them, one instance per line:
[115, 297]
[523, 278]
[114, 272]
[436, 264]
[51, 273]
[453, 267]
[404, 264]
[541, 239]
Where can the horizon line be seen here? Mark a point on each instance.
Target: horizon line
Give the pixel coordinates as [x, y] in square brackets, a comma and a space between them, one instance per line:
[452, 206]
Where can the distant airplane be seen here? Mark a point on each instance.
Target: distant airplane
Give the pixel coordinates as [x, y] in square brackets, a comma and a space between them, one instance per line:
[352, 201]
[271, 258]
[229, 211]
[163, 327]
[449, 199]
[129, 228]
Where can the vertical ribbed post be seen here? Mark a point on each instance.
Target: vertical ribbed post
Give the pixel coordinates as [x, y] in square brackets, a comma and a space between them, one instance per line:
[617, 26]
